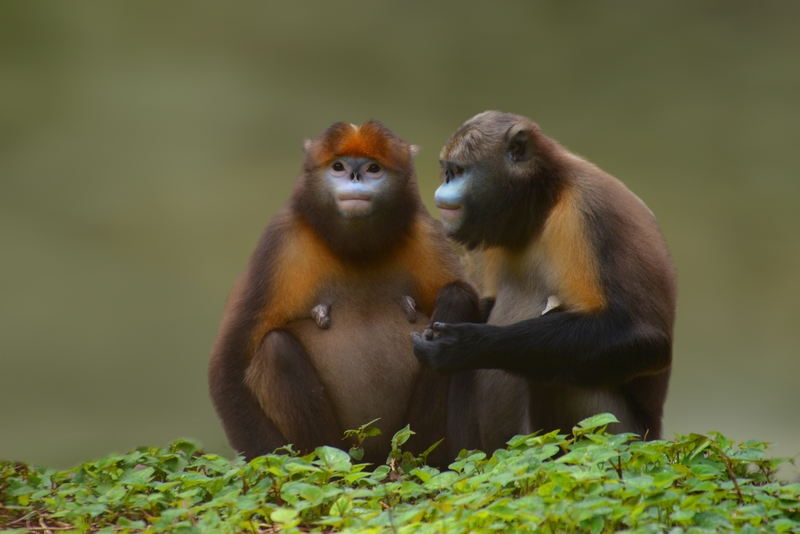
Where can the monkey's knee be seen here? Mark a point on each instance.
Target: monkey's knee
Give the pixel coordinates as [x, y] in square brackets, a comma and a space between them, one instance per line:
[279, 370]
[290, 392]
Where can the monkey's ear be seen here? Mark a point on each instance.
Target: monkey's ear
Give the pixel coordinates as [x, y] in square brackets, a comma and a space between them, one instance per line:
[306, 145]
[414, 149]
[518, 143]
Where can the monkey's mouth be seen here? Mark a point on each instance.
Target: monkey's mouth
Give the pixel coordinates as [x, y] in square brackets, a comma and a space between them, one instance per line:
[449, 213]
[354, 202]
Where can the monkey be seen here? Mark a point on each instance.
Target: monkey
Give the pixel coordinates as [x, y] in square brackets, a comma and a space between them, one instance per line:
[315, 335]
[574, 271]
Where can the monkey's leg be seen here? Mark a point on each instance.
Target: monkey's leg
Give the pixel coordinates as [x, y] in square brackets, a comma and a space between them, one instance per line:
[291, 395]
[427, 417]
[458, 302]
[249, 430]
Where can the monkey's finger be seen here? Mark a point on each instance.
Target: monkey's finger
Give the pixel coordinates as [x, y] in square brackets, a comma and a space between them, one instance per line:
[443, 329]
[422, 348]
[425, 338]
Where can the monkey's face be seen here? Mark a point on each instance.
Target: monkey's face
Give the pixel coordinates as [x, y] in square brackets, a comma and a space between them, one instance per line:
[487, 167]
[356, 185]
[451, 196]
[469, 192]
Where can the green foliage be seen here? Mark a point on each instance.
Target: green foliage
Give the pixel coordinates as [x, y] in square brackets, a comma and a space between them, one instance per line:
[588, 481]
[362, 433]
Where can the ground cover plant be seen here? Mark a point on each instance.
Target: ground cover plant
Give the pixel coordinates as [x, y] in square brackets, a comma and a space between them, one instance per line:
[586, 481]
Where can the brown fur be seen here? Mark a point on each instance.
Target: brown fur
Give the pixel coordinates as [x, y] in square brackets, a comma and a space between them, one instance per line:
[543, 225]
[275, 371]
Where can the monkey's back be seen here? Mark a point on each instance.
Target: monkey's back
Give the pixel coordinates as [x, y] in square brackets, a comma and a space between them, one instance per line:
[365, 358]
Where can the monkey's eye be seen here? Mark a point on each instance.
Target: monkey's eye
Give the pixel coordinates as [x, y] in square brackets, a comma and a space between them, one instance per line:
[373, 169]
[338, 169]
[459, 171]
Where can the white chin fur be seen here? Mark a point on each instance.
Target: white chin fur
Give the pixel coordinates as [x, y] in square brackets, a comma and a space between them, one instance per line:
[355, 206]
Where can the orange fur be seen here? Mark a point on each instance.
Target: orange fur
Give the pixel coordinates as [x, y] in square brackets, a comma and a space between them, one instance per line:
[482, 268]
[304, 263]
[572, 256]
[370, 140]
[430, 269]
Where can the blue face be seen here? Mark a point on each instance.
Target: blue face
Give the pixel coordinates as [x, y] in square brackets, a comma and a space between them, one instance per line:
[356, 183]
[449, 198]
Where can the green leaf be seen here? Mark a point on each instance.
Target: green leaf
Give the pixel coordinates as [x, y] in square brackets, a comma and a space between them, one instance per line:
[381, 472]
[401, 436]
[665, 479]
[247, 502]
[356, 453]
[139, 477]
[341, 507]
[712, 520]
[706, 471]
[785, 524]
[186, 446]
[95, 510]
[333, 459]
[429, 450]
[601, 419]
[502, 511]
[422, 475]
[441, 481]
[284, 515]
[311, 493]
[682, 516]
[596, 524]
[595, 483]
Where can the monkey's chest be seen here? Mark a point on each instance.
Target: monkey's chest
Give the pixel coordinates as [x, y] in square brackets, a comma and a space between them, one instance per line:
[516, 303]
[364, 358]
[523, 288]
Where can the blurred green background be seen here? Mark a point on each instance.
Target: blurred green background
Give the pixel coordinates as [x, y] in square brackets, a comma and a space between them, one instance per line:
[145, 145]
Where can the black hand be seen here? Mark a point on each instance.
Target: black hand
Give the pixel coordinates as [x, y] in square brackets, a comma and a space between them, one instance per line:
[448, 348]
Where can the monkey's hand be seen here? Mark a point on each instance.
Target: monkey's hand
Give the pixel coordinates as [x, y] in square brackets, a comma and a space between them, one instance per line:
[449, 347]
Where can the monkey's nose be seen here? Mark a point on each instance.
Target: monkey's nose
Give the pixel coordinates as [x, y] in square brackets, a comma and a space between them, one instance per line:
[355, 176]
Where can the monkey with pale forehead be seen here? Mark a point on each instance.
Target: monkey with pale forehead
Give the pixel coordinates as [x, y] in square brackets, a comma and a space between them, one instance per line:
[575, 276]
[315, 335]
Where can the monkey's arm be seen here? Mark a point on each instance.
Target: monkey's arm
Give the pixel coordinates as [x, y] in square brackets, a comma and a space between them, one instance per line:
[444, 293]
[248, 428]
[271, 292]
[443, 406]
[487, 304]
[456, 302]
[569, 348]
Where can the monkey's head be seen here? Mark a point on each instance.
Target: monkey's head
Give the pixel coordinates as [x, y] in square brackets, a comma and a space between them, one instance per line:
[358, 187]
[499, 176]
